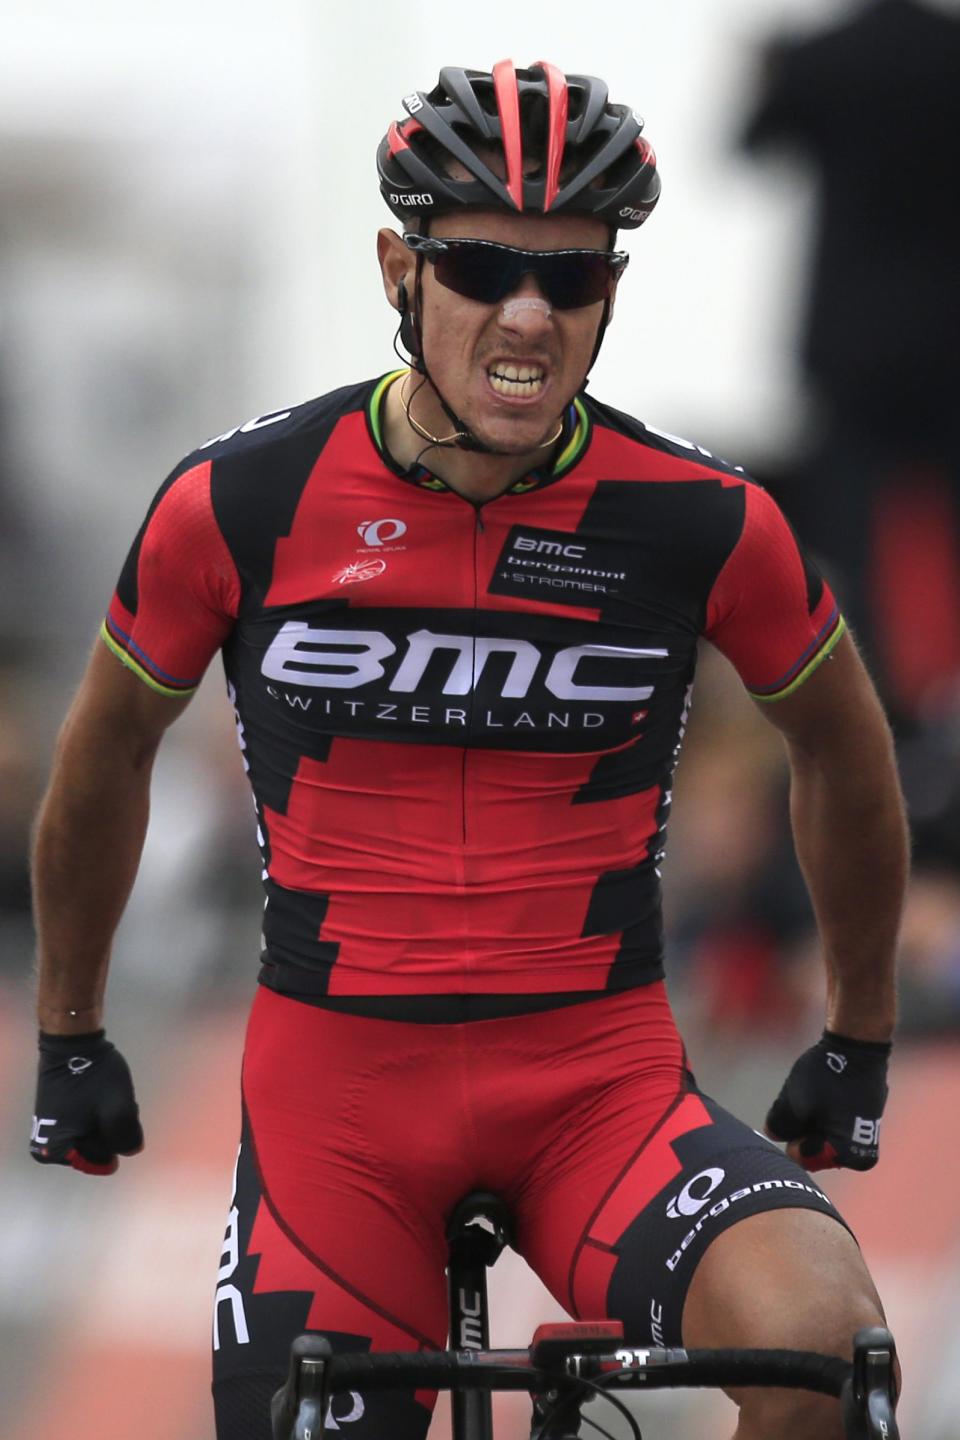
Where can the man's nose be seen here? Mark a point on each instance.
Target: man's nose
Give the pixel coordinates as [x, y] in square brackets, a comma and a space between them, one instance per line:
[526, 310]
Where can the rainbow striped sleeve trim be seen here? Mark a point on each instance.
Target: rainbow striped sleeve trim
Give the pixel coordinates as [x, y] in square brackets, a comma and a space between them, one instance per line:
[132, 656]
[815, 653]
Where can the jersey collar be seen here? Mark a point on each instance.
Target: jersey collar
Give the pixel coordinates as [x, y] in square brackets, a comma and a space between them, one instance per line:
[571, 446]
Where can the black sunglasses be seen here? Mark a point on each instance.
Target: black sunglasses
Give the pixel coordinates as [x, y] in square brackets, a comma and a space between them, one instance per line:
[482, 270]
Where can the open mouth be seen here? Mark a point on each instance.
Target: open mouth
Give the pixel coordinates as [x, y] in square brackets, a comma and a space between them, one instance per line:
[520, 380]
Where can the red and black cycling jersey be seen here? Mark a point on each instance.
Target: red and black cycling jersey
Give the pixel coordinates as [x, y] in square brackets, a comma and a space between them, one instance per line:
[461, 722]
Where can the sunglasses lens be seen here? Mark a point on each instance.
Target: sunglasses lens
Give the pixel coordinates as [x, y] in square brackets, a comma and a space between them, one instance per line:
[488, 273]
[571, 281]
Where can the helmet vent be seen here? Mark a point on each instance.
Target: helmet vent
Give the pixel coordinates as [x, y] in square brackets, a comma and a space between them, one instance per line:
[486, 97]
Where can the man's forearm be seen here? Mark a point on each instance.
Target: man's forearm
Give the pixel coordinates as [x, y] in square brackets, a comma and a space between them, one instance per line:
[89, 838]
[851, 840]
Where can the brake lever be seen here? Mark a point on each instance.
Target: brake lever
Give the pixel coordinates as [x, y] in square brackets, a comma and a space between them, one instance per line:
[868, 1396]
[309, 1424]
[297, 1410]
[881, 1421]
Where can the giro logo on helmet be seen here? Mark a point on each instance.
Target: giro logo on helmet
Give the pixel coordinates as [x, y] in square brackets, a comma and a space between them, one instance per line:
[415, 201]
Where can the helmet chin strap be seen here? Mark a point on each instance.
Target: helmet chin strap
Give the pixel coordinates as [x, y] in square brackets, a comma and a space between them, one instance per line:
[463, 437]
[601, 332]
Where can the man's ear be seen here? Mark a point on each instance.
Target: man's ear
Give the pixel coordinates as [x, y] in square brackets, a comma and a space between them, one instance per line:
[395, 266]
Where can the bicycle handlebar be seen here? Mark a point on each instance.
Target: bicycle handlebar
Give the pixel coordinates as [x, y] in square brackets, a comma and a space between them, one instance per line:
[651, 1369]
[578, 1365]
[567, 1363]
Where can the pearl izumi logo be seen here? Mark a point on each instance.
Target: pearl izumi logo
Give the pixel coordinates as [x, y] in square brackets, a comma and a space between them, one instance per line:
[380, 532]
[376, 535]
[349, 1407]
[695, 1193]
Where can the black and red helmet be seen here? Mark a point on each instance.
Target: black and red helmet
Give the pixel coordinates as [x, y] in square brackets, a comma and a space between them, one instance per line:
[564, 148]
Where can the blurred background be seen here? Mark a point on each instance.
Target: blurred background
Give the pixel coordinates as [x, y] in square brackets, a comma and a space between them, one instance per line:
[188, 206]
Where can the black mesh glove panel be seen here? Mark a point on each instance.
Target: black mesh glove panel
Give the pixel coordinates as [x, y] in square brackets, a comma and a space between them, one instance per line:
[86, 1112]
[832, 1101]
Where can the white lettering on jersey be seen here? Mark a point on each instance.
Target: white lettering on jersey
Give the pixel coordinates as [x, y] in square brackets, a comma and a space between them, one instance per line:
[345, 659]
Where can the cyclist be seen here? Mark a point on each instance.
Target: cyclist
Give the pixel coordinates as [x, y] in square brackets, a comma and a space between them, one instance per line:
[458, 608]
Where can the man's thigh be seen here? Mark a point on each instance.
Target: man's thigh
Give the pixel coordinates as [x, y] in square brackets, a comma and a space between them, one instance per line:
[648, 1216]
[327, 1231]
[272, 1286]
[787, 1279]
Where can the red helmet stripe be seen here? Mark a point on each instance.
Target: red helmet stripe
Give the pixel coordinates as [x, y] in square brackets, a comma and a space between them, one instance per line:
[395, 140]
[508, 103]
[397, 135]
[646, 151]
[556, 129]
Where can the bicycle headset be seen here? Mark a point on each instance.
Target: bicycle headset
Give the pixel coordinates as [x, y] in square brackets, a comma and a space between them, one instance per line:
[563, 148]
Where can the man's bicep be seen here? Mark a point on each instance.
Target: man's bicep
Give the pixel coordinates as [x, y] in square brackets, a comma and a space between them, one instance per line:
[115, 708]
[836, 709]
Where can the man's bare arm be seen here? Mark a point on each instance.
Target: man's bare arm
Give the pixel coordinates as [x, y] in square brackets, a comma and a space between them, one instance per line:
[851, 836]
[89, 836]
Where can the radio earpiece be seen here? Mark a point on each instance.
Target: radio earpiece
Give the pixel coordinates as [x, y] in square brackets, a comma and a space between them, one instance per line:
[408, 331]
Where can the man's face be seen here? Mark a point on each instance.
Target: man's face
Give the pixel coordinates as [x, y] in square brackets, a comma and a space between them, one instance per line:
[468, 344]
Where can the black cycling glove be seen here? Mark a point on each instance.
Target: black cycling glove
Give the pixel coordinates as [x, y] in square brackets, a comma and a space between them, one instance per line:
[832, 1102]
[86, 1112]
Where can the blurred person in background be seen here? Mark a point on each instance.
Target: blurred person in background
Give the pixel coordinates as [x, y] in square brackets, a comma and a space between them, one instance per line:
[458, 608]
[21, 663]
[872, 104]
[21, 784]
[737, 914]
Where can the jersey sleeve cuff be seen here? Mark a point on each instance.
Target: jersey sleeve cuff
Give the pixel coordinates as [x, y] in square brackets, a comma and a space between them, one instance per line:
[123, 646]
[816, 653]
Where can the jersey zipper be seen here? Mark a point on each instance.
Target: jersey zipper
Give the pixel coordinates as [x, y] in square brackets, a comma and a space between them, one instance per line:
[478, 530]
[466, 938]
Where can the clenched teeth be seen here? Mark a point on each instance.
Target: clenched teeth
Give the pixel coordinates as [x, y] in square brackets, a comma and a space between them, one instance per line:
[516, 379]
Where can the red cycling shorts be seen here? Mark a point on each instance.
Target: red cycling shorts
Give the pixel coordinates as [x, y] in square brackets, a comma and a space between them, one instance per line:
[360, 1135]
